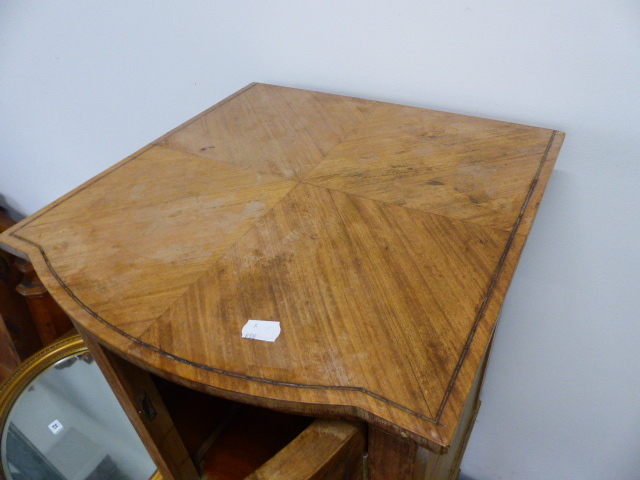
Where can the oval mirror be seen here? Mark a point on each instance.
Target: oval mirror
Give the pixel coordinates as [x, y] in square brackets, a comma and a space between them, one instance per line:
[60, 421]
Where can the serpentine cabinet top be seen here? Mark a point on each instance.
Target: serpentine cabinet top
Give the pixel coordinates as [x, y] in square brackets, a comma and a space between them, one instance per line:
[382, 238]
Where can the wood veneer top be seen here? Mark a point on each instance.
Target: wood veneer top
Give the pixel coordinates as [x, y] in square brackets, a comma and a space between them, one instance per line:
[382, 238]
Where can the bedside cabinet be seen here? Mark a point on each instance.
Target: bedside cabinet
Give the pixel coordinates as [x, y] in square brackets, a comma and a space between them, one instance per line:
[374, 244]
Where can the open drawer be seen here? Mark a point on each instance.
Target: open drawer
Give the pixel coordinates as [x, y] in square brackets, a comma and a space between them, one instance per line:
[231, 441]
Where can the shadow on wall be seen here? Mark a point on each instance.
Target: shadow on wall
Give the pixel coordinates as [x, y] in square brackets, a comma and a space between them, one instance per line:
[11, 212]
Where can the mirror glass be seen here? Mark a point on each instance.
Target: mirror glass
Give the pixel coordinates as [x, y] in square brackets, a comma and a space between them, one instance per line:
[66, 424]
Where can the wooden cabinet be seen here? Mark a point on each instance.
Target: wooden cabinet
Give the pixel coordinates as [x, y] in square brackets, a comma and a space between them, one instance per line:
[18, 336]
[381, 238]
[29, 317]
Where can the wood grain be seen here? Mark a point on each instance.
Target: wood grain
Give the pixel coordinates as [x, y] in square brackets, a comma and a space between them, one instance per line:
[268, 129]
[326, 450]
[383, 238]
[390, 457]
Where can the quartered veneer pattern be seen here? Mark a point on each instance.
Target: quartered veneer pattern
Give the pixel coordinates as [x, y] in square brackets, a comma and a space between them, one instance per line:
[381, 237]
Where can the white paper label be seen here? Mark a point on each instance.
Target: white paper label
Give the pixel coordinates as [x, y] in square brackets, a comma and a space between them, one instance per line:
[55, 427]
[264, 330]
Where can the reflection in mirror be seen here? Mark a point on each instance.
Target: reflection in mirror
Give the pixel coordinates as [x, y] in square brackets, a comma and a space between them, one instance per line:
[61, 421]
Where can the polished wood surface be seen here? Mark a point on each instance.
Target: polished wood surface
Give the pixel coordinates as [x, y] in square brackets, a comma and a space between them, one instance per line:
[382, 237]
[391, 457]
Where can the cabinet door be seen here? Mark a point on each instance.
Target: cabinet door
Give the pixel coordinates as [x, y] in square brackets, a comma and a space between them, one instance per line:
[326, 450]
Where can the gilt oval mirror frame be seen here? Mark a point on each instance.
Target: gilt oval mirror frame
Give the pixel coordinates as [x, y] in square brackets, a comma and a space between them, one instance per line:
[23, 381]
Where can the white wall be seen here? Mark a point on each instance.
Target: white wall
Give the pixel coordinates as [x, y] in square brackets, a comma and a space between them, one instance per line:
[83, 84]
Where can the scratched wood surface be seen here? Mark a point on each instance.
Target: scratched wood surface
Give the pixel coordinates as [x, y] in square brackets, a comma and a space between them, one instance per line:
[382, 237]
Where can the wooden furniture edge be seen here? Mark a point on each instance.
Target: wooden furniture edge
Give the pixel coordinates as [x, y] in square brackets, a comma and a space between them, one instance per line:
[323, 447]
